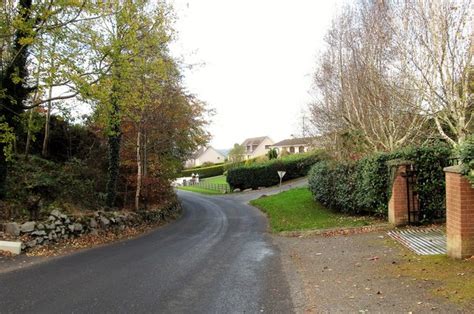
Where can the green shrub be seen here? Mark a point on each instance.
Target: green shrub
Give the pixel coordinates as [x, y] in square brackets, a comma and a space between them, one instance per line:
[334, 186]
[321, 183]
[365, 186]
[272, 154]
[79, 184]
[345, 193]
[466, 156]
[204, 172]
[372, 176]
[265, 174]
[72, 183]
[35, 176]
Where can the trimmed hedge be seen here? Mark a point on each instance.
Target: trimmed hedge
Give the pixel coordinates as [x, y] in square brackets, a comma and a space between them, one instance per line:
[205, 166]
[466, 156]
[265, 174]
[204, 172]
[364, 186]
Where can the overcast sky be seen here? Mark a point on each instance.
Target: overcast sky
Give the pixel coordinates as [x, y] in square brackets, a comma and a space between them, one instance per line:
[256, 59]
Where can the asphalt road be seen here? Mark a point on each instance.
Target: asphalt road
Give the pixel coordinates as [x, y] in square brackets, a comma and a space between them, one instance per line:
[217, 258]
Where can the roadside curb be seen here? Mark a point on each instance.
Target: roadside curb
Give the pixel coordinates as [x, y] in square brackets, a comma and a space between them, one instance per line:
[334, 231]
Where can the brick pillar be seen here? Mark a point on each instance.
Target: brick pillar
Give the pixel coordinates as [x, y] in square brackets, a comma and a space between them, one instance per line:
[459, 214]
[398, 204]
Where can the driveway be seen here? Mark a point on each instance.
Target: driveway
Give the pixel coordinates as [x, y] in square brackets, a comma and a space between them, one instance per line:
[361, 273]
[217, 258]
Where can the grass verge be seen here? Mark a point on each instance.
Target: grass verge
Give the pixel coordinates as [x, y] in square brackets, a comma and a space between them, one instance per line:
[207, 186]
[454, 278]
[215, 180]
[295, 210]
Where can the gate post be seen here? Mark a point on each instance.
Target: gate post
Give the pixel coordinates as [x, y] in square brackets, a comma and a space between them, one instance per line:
[398, 207]
[459, 214]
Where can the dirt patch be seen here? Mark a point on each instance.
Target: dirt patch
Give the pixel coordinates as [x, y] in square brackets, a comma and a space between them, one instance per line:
[359, 273]
[455, 278]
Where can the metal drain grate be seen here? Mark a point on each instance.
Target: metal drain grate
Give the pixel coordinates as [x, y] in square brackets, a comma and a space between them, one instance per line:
[421, 241]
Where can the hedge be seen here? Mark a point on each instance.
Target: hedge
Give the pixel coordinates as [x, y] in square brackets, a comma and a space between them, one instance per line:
[364, 186]
[205, 166]
[247, 162]
[204, 172]
[466, 156]
[265, 174]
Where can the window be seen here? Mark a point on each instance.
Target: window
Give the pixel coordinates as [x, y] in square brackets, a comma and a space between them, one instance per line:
[267, 146]
[292, 150]
[301, 149]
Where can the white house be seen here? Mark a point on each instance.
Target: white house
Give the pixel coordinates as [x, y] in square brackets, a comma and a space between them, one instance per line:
[203, 155]
[294, 145]
[257, 146]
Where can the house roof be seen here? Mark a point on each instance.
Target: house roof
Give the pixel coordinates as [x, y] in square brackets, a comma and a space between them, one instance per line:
[294, 142]
[224, 152]
[204, 149]
[254, 141]
[198, 153]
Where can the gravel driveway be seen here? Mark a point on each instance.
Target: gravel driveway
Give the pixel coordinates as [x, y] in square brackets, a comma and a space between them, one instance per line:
[355, 273]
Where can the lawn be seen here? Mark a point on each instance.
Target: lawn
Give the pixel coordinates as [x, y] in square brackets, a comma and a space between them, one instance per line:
[208, 186]
[215, 180]
[296, 210]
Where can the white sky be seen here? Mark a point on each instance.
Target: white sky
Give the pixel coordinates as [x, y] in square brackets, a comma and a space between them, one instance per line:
[256, 61]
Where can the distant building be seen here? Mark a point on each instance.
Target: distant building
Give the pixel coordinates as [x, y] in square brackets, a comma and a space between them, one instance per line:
[203, 155]
[294, 145]
[257, 146]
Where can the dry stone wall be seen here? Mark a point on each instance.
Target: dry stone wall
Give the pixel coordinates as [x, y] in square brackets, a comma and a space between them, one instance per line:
[59, 226]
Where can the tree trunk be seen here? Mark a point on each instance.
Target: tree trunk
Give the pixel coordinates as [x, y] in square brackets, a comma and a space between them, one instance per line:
[114, 142]
[113, 169]
[28, 135]
[145, 167]
[3, 171]
[44, 151]
[139, 171]
[35, 98]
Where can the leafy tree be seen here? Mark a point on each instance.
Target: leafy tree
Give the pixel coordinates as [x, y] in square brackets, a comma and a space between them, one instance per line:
[114, 56]
[272, 154]
[133, 101]
[25, 25]
[237, 153]
[112, 48]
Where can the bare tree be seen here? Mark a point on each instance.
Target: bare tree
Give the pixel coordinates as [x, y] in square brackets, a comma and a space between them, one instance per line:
[361, 91]
[435, 38]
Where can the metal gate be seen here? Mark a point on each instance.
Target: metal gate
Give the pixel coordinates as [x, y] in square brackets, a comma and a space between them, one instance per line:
[413, 203]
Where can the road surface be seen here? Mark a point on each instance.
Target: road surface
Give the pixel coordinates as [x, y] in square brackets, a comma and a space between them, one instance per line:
[217, 258]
